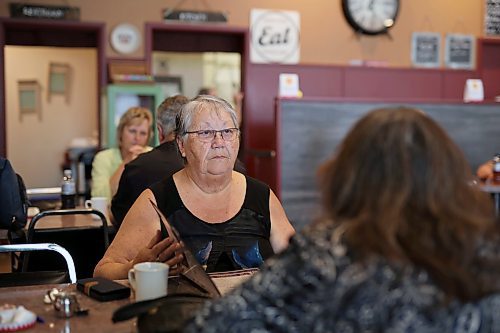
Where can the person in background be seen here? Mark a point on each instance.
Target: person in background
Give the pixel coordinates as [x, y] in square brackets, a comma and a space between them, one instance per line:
[228, 220]
[133, 133]
[212, 91]
[485, 170]
[406, 244]
[163, 161]
[13, 198]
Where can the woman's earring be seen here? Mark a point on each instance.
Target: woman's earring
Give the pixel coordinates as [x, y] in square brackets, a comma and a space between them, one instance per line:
[183, 154]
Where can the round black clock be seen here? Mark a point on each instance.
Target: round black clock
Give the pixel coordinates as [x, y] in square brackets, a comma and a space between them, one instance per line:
[371, 17]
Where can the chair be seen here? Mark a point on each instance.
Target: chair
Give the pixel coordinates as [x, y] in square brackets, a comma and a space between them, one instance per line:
[86, 244]
[40, 277]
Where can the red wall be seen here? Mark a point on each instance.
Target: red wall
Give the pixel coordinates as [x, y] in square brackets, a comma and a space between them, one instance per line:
[350, 83]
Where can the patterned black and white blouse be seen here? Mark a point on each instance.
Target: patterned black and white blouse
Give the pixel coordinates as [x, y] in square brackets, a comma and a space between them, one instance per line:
[314, 286]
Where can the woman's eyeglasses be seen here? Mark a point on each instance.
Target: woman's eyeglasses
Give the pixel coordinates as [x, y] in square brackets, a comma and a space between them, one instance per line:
[227, 134]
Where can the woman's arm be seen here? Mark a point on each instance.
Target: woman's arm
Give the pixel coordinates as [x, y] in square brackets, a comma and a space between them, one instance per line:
[101, 170]
[138, 240]
[281, 229]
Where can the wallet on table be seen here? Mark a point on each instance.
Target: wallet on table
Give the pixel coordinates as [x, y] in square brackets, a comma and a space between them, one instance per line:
[102, 289]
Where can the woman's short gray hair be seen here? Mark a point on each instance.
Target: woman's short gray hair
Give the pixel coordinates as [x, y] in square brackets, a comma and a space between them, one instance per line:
[202, 102]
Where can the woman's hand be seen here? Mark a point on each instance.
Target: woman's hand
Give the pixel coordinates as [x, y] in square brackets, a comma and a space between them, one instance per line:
[485, 171]
[132, 153]
[166, 250]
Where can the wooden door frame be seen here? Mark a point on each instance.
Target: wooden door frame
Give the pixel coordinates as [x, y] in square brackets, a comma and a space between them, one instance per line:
[201, 38]
[30, 32]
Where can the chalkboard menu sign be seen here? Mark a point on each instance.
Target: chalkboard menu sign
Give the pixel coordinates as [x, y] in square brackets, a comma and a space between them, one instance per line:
[492, 17]
[460, 51]
[425, 49]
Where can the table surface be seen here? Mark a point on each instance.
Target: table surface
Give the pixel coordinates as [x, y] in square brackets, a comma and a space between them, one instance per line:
[490, 188]
[100, 313]
[98, 319]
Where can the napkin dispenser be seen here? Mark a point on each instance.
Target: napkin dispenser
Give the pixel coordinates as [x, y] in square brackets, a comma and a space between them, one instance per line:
[102, 289]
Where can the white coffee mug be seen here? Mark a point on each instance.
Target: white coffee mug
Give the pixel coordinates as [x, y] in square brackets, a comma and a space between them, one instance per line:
[149, 280]
[98, 203]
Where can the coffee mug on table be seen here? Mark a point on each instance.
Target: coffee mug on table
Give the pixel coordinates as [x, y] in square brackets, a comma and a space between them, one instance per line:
[98, 203]
[149, 280]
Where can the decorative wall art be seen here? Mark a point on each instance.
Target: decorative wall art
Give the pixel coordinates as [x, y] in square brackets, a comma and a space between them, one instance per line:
[29, 98]
[460, 51]
[492, 17]
[125, 38]
[426, 49]
[59, 80]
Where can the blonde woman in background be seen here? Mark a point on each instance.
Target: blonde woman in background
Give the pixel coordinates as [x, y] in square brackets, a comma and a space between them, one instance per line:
[133, 133]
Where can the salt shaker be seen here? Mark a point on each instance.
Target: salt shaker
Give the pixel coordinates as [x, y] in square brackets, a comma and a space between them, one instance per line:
[66, 304]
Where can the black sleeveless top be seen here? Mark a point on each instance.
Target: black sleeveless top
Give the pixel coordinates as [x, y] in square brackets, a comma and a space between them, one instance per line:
[240, 242]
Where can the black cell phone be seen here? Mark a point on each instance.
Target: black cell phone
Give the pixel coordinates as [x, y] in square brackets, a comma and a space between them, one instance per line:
[102, 289]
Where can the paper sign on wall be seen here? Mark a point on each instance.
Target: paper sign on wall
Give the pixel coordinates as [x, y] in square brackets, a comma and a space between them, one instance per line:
[473, 91]
[289, 85]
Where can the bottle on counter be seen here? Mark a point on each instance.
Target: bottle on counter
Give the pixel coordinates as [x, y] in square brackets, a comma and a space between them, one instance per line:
[496, 169]
[68, 190]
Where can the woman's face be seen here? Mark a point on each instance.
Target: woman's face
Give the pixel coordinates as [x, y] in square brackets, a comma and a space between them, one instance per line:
[216, 156]
[136, 133]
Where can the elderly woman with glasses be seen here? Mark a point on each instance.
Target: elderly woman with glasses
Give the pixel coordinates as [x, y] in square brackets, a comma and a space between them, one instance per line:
[229, 221]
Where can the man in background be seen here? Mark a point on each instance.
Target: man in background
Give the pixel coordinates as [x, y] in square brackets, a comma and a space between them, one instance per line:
[148, 168]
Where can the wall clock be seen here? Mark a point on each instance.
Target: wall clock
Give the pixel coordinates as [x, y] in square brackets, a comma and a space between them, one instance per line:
[371, 17]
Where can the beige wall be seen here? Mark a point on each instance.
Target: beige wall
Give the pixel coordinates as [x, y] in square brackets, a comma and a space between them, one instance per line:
[326, 37]
[36, 147]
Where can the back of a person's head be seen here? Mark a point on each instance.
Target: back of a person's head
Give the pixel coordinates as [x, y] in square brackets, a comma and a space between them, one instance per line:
[401, 188]
[167, 112]
[207, 91]
[395, 155]
[134, 116]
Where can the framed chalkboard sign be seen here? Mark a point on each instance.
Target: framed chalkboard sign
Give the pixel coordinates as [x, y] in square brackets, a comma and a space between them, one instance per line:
[492, 17]
[426, 49]
[460, 51]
